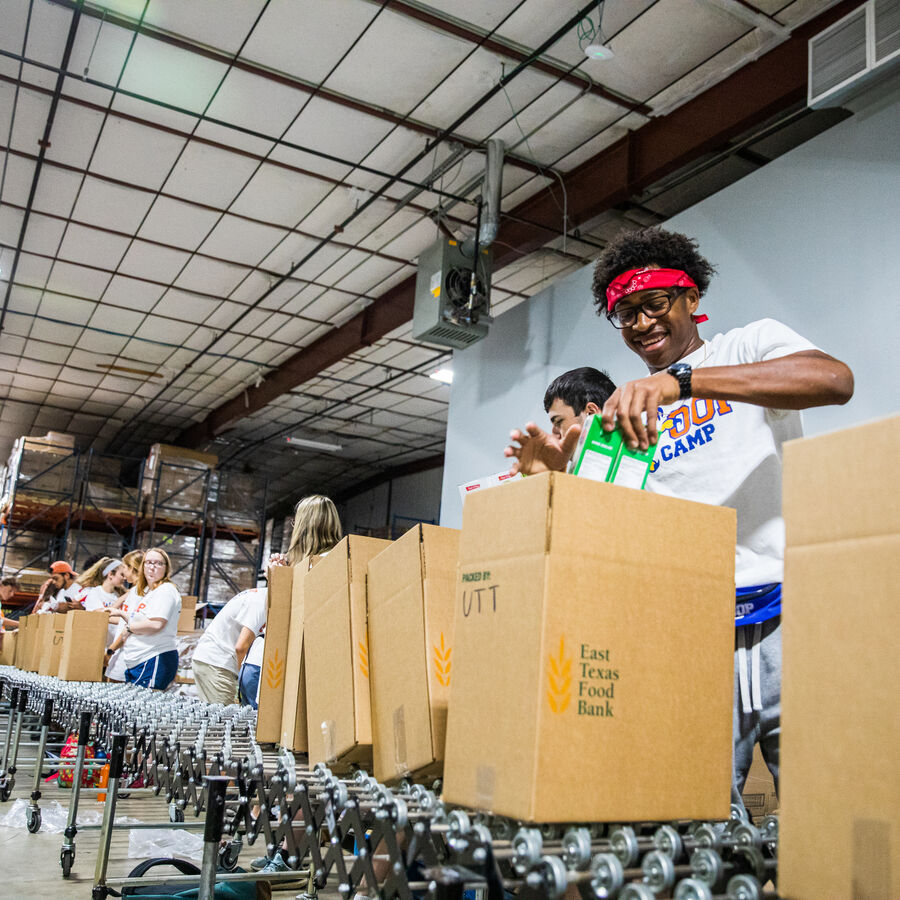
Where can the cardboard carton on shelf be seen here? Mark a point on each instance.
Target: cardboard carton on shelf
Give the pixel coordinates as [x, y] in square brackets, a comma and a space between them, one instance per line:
[839, 832]
[84, 643]
[338, 709]
[272, 675]
[589, 686]
[293, 713]
[411, 593]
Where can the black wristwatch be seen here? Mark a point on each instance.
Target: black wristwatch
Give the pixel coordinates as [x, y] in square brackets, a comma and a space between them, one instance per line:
[682, 372]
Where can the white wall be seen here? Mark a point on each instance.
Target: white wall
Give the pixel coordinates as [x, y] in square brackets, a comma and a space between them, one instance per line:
[397, 504]
[811, 239]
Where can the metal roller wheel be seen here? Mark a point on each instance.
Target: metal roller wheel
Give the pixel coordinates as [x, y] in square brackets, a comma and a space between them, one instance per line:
[33, 820]
[747, 835]
[228, 856]
[482, 834]
[769, 829]
[751, 860]
[527, 846]
[637, 891]
[692, 889]
[66, 858]
[659, 871]
[175, 813]
[458, 822]
[667, 840]
[607, 875]
[554, 876]
[738, 813]
[623, 843]
[4, 793]
[707, 836]
[707, 866]
[743, 887]
[576, 853]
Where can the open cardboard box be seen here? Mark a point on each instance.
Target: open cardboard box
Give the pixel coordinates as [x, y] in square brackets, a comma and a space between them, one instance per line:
[593, 669]
[338, 708]
[411, 592]
[840, 787]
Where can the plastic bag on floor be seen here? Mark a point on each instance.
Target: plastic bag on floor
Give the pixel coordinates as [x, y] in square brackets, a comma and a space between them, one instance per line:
[152, 842]
[54, 817]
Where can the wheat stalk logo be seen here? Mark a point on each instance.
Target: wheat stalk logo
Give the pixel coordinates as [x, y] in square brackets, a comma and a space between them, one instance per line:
[559, 679]
[364, 656]
[275, 671]
[442, 662]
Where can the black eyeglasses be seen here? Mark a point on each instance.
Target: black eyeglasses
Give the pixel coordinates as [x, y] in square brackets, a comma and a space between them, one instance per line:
[654, 308]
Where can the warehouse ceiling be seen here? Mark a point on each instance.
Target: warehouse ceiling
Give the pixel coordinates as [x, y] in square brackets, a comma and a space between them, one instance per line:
[211, 210]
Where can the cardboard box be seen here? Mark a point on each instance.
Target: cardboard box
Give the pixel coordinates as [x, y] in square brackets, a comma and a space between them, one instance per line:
[593, 669]
[22, 642]
[84, 645]
[293, 711]
[51, 630]
[338, 709]
[759, 794]
[271, 678]
[411, 593]
[8, 648]
[27, 658]
[188, 615]
[840, 787]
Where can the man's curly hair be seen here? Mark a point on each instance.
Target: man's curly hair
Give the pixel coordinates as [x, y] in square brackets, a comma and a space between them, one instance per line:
[644, 247]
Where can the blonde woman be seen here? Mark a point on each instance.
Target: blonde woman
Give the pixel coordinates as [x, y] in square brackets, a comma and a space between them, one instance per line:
[101, 584]
[151, 659]
[115, 665]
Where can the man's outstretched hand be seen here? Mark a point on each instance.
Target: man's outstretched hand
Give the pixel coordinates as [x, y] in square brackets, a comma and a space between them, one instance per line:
[538, 451]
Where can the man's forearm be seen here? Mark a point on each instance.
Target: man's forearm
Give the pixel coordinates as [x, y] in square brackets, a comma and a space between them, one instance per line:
[799, 381]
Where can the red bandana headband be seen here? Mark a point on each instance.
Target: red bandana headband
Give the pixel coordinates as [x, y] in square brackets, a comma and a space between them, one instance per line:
[645, 279]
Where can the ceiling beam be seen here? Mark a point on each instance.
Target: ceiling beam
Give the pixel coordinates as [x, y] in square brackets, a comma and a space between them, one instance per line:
[306, 87]
[506, 49]
[752, 95]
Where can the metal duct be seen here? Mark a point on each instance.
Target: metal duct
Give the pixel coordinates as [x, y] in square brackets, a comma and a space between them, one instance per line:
[490, 198]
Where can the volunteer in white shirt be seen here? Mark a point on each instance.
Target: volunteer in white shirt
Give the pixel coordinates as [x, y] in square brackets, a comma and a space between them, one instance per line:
[719, 411]
[224, 644]
[61, 591]
[248, 677]
[151, 659]
[115, 665]
[101, 584]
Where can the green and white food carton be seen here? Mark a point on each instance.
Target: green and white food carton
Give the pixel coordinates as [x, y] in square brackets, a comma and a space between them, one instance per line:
[604, 456]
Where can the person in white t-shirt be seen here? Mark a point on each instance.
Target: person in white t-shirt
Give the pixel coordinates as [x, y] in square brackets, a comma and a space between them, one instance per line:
[101, 585]
[720, 411]
[115, 664]
[61, 591]
[224, 644]
[151, 659]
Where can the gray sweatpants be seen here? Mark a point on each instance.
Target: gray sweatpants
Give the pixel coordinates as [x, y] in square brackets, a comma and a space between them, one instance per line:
[757, 699]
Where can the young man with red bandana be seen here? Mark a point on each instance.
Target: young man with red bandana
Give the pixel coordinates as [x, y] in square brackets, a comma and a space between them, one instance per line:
[719, 411]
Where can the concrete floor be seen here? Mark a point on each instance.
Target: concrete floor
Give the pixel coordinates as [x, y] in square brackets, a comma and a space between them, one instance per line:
[29, 863]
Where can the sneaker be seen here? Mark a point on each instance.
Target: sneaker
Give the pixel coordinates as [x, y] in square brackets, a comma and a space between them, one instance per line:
[259, 863]
[276, 864]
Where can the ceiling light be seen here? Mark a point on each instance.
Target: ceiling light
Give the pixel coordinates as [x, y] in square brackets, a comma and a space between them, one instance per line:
[598, 51]
[314, 445]
[113, 367]
[445, 376]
